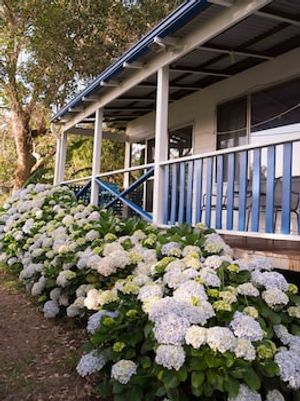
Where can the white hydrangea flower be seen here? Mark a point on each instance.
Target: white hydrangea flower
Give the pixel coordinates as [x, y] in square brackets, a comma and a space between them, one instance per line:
[140, 235]
[51, 309]
[168, 249]
[191, 250]
[55, 293]
[190, 289]
[247, 327]
[214, 243]
[221, 339]
[196, 336]
[274, 297]
[107, 297]
[150, 290]
[275, 395]
[216, 261]
[92, 299]
[92, 235]
[269, 280]
[90, 363]
[248, 290]
[246, 394]
[171, 329]
[245, 350]
[38, 287]
[73, 311]
[112, 247]
[149, 302]
[175, 277]
[282, 333]
[209, 277]
[64, 277]
[123, 370]
[294, 311]
[289, 365]
[94, 321]
[170, 356]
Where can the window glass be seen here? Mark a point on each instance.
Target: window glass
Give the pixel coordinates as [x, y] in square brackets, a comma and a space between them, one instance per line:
[277, 106]
[181, 142]
[231, 123]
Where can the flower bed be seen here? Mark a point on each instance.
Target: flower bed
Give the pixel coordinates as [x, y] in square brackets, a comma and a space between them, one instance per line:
[171, 315]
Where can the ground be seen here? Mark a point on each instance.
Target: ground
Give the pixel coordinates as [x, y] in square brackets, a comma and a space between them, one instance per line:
[37, 356]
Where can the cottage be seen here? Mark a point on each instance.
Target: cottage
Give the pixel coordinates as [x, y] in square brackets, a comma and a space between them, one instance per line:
[209, 102]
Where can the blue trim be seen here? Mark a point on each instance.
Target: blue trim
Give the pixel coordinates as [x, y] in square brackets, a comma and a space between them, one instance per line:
[147, 216]
[174, 194]
[181, 193]
[189, 197]
[286, 188]
[256, 185]
[209, 179]
[220, 181]
[171, 24]
[243, 183]
[167, 192]
[230, 191]
[133, 186]
[199, 178]
[83, 190]
[270, 190]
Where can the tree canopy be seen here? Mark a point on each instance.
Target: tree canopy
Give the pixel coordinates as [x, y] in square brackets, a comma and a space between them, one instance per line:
[49, 49]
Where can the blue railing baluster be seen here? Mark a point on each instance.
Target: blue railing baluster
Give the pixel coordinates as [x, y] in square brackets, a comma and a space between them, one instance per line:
[132, 187]
[230, 191]
[243, 186]
[174, 193]
[220, 182]
[270, 190]
[286, 189]
[137, 209]
[181, 193]
[256, 185]
[199, 168]
[167, 192]
[189, 196]
[209, 177]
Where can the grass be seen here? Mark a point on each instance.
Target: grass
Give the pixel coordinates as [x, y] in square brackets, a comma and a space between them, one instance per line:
[9, 280]
[13, 375]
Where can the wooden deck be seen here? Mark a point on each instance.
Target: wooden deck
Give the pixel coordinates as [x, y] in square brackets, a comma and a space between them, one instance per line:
[284, 254]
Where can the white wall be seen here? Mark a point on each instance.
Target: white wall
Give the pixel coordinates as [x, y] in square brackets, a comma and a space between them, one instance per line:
[200, 107]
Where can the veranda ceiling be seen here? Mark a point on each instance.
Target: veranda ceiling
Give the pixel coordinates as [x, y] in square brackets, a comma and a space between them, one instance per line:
[265, 34]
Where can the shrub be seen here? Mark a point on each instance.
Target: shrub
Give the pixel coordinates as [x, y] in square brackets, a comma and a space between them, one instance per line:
[172, 316]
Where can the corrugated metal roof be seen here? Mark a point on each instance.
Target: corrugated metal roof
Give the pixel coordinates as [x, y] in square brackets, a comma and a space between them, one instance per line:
[243, 46]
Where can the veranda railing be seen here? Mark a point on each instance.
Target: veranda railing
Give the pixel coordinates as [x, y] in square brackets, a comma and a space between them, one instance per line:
[248, 189]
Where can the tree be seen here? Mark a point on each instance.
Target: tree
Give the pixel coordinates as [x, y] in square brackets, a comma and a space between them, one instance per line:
[48, 48]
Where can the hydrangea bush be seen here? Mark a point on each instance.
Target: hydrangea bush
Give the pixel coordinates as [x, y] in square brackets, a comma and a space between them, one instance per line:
[171, 315]
[62, 249]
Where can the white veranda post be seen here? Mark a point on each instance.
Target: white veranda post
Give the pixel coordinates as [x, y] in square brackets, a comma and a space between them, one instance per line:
[126, 164]
[96, 156]
[57, 160]
[161, 142]
[60, 162]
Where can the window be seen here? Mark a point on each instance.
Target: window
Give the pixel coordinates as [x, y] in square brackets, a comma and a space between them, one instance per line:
[181, 142]
[232, 123]
[277, 106]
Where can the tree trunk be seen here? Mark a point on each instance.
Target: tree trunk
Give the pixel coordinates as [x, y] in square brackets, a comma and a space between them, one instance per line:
[23, 141]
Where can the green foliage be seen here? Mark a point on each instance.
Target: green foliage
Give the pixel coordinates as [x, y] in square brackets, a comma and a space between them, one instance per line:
[158, 309]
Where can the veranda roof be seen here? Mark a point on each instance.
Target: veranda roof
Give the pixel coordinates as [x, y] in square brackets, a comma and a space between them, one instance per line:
[265, 34]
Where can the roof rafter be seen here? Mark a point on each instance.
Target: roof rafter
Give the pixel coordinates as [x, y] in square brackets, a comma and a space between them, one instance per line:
[229, 51]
